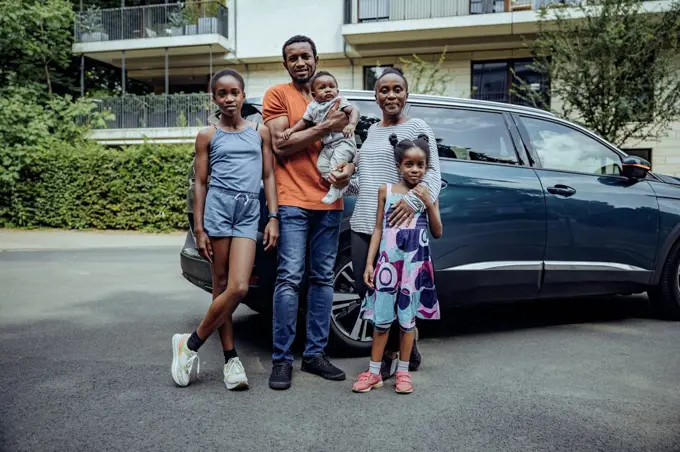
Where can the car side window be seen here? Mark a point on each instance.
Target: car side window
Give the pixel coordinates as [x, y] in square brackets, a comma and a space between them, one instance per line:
[468, 134]
[559, 147]
[370, 114]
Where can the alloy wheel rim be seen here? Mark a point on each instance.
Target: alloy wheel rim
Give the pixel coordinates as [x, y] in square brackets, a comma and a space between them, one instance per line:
[346, 310]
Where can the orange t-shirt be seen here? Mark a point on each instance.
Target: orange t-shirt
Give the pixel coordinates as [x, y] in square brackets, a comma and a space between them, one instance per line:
[298, 179]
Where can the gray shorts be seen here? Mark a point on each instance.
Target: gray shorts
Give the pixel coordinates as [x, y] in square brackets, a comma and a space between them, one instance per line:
[335, 153]
[229, 213]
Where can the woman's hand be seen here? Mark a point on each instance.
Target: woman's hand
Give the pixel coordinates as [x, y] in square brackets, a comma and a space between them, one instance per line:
[204, 246]
[368, 276]
[271, 234]
[341, 175]
[403, 213]
[422, 191]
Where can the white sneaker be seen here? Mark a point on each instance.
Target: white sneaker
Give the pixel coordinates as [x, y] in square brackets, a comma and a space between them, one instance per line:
[333, 195]
[185, 362]
[235, 375]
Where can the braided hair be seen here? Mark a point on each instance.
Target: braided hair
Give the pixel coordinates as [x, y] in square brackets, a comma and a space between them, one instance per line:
[400, 147]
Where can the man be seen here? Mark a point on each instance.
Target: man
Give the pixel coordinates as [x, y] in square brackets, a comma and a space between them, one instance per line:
[304, 219]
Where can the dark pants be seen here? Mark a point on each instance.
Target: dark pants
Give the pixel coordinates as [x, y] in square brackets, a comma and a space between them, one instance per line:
[321, 230]
[360, 243]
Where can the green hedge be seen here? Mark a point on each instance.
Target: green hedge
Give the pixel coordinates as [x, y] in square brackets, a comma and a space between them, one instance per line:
[140, 187]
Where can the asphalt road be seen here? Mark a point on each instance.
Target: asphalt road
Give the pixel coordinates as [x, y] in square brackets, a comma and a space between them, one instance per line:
[86, 355]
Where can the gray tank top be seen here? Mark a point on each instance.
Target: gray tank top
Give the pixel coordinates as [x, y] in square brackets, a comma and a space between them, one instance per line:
[236, 160]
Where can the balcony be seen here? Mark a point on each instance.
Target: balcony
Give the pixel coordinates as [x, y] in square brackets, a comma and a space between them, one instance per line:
[375, 26]
[168, 118]
[144, 28]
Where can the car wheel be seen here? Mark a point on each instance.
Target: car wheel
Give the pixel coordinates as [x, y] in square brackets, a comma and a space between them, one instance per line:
[666, 295]
[349, 332]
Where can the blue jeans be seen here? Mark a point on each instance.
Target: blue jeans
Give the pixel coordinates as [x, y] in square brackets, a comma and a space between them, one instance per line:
[298, 227]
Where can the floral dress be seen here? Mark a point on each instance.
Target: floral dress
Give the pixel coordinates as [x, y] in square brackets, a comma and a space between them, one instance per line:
[404, 274]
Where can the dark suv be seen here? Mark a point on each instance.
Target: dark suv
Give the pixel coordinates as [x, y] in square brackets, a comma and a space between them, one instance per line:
[533, 206]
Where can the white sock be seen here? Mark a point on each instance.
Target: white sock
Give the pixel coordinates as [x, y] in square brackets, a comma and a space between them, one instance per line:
[374, 367]
[402, 366]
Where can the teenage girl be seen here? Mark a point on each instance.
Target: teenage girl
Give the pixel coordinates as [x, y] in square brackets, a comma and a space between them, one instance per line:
[238, 155]
[402, 284]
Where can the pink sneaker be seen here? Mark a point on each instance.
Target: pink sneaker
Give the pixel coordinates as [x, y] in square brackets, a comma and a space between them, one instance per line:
[367, 381]
[403, 385]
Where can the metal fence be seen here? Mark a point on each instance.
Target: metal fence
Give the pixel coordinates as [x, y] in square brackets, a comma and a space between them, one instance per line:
[137, 22]
[383, 10]
[174, 110]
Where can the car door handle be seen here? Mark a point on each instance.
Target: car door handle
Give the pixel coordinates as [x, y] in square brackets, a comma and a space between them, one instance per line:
[562, 190]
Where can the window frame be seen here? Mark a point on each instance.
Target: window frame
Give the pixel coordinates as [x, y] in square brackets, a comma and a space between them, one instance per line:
[515, 139]
[535, 159]
[510, 64]
[365, 73]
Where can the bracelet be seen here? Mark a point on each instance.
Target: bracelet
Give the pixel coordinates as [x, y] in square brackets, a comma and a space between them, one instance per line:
[273, 215]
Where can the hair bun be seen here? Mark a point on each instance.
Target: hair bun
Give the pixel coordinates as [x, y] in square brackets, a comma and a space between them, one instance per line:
[393, 139]
[422, 136]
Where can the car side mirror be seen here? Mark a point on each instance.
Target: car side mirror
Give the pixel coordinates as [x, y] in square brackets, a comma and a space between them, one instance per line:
[635, 167]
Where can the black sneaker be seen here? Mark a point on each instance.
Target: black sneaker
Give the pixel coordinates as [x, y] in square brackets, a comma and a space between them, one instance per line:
[281, 375]
[388, 367]
[321, 366]
[414, 362]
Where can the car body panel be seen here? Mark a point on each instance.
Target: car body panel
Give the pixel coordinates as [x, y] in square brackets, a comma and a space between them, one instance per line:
[494, 233]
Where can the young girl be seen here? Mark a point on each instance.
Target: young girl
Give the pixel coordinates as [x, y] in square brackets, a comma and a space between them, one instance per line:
[402, 284]
[226, 215]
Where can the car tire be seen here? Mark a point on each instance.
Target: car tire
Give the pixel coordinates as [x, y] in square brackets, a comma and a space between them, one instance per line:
[349, 334]
[666, 295]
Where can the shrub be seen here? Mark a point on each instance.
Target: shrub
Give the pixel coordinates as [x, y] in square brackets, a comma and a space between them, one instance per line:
[139, 187]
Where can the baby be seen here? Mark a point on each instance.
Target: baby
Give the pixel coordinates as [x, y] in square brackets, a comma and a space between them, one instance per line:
[337, 147]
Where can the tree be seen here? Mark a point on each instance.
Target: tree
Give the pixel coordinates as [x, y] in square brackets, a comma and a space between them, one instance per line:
[426, 77]
[35, 38]
[612, 64]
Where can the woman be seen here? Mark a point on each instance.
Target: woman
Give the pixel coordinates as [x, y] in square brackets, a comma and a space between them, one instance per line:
[226, 214]
[376, 167]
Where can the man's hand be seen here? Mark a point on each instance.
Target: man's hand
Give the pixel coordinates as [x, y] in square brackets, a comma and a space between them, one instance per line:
[341, 175]
[271, 234]
[336, 120]
[286, 134]
[348, 131]
[403, 213]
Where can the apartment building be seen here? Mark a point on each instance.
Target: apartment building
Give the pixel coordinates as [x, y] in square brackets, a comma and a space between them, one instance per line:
[175, 47]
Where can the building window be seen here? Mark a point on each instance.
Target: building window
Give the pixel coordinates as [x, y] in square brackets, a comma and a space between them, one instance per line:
[371, 74]
[645, 153]
[494, 80]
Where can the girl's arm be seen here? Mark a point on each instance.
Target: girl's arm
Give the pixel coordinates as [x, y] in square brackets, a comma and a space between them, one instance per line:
[375, 238]
[271, 231]
[435, 220]
[201, 164]
[432, 209]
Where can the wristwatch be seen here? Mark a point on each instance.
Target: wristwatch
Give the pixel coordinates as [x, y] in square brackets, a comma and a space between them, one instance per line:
[273, 215]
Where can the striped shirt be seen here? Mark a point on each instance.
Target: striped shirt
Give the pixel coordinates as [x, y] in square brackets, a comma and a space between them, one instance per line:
[376, 166]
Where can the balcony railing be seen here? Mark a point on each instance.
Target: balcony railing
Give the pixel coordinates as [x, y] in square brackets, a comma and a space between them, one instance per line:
[153, 21]
[153, 111]
[384, 10]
